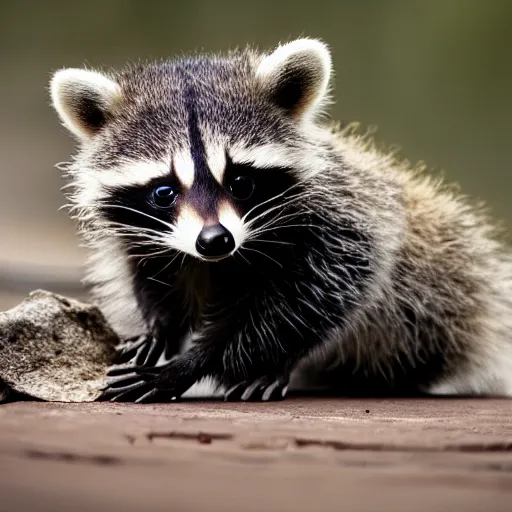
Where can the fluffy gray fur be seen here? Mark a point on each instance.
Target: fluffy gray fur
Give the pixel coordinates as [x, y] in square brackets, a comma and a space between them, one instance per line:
[441, 277]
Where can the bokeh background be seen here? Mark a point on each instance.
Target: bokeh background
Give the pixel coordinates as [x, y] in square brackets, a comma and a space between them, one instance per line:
[435, 77]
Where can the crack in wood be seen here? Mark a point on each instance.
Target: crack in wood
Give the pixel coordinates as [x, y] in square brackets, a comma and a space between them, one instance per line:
[500, 446]
[299, 442]
[200, 437]
[102, 460]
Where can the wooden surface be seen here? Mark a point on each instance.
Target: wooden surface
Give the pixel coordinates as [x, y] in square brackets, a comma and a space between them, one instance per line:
[303, 454]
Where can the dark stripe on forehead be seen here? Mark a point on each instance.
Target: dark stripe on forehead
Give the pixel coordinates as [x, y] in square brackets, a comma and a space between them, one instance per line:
[205, 191]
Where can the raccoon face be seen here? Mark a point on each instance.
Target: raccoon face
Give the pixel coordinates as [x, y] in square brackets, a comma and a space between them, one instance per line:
[193, 155]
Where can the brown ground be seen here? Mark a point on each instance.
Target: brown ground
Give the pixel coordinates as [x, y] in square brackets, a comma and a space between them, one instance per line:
[303, 454]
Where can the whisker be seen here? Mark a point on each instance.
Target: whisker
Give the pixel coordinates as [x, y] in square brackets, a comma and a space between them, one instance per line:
[158, 281]
[142, 236]
[168, 264]
[130, 227]
[289, 226]
[183, 260]
[272, 198]
[164, 297]
[238, 253]
[276, 221]
[139, 238]
[151, 255]
[280, 205]
[128, 231]
[122, 207]
[268, 241]
[142, 245]
[263, 254]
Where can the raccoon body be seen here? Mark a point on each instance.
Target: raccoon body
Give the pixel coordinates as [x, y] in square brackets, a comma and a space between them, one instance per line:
[235, 235]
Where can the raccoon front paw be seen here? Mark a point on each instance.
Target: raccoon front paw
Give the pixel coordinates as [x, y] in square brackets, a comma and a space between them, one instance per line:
[261, 390]
[129, 387]
[143, 384]
[170, 380]
[140, 368]
[124, 384]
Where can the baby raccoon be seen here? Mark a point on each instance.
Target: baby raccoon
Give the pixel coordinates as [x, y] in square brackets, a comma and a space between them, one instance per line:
[236, 236]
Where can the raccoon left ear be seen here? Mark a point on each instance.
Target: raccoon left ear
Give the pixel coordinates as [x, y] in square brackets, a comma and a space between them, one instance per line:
[297, 75]
[84, 100]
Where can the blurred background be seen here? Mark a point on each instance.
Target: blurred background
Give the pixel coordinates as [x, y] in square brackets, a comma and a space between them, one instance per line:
[434, 76]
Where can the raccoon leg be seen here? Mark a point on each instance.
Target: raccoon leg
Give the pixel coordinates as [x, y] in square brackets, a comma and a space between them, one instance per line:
[151, 350]
[177, 376]
[172, 379]
[252, 350]
[261, 381]
[252, 365]
[260, 378]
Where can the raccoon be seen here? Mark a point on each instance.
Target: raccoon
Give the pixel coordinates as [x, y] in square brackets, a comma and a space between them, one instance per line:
[237, 234]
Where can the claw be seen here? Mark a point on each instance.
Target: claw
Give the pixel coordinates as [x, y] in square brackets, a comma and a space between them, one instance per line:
[123, 389]
[270, 389]
[120, 397]
[262, 389]
[144, 351]
[147, 395]
[149, 353]
[120, 369]
[115, 379]
[151, 371]
[228, 395]
[132, 345]
[251, 389]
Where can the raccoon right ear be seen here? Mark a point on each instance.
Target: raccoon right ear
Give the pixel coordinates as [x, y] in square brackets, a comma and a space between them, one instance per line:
[297, 75]
[84, 100]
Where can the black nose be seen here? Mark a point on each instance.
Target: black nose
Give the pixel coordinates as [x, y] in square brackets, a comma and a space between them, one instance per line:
[215, 241]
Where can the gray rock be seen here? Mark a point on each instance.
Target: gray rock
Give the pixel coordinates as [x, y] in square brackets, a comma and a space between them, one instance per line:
[55, 349]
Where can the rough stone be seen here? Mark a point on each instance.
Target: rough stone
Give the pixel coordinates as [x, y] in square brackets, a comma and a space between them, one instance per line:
[55, 348]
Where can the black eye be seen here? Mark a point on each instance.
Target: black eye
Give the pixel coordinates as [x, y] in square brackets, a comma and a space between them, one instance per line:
[241, 187]
[164, 196]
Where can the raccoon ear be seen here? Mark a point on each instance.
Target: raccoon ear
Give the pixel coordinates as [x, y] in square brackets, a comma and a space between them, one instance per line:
[297, 75]
[84, 100]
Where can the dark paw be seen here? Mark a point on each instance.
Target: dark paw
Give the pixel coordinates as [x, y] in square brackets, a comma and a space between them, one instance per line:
[261, 390]
[129, 388]
[163, 382]
[124, 382]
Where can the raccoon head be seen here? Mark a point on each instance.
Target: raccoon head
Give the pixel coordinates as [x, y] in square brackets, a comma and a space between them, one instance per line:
[194, 154]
